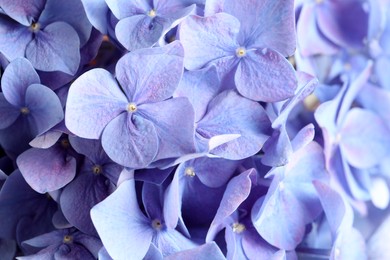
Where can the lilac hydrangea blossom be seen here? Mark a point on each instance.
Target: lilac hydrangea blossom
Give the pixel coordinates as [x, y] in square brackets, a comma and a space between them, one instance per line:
[48, 33]
[134, 125]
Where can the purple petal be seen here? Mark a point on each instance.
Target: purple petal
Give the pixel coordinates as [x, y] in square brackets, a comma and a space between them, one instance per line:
[277, 149]
[175, 133]
[13, 32]
[14, 89]
[172, 241]
[337, 21]
[207, 39]
[275, 81]
[364, 145]
[97, 12]
[311, 40]
[124, 8]
[130, 140]
[200, 87]
[8, 113]
[78, 198]
[203, 252]
[121, 225]
[139, 31]
[23, 11]
[236, 192]
[55, 48]
[71, 12]
[214, 172]
[266, 23]
[151, 75]
[230, 113]
[94, 99]
[45, 107]
[172, 203]
[46, 169]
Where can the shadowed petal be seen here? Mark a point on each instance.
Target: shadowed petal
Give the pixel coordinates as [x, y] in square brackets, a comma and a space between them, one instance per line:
[151, 75]
[18, 75]
[23, 11]
[173, 120]
[230, 113]
[8, 113]
[206, 39]
[54, 48]
[97, 12]
[94, 99]
[139, 31]
[45, 107]
[71, 12]
[121, 225]
[130, 140]
[124, 8]
[58, 170]
[199, 86]
[265, 75]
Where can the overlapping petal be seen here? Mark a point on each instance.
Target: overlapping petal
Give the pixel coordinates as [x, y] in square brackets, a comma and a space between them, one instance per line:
[94, 99]
[55, 48]
[23, 11]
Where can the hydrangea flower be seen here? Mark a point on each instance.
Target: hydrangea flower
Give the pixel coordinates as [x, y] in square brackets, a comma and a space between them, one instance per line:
[27, 108]
[134, 120]
[244, 42]
[48, 33]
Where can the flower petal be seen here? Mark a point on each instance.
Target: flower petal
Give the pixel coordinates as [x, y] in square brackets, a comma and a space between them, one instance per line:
[121, 225]
[45, 107]
[265, 75]
[151, 75]
[173, 120]
[94, 99]
[23, 11]
[139, 31]
[206, 39]
[56, 47]
[18, 75]
[8, 113]
[130, 140]
[364, 145]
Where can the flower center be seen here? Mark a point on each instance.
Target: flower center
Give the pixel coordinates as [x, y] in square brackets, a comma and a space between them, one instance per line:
[156, 224]
[131, 107]
[97, 169]
[189, 171]
[67, 239]
[238, 228]
[152, 13]
[24, 110]
[240, 52]
[319, 1]
[65, 143]
[35, 27]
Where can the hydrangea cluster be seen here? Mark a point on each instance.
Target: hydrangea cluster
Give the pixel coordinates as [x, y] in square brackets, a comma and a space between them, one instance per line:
[194, 129]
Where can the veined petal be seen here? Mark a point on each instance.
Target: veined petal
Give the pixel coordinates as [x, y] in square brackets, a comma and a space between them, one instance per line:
[264, 23]
[173, 120]
[8, 113]
[58, 169]
[121, 225]
[151, 75]
[203, 252]
[71, 12]
[124, 8]
[206, 39]
[230, 113]
[18, 75]
[56, 47]
[94, 99]
[19, 35]
[131, 141]
[23, 11]
[139, 31]
[265, 75]
[45, 107]
[97, 12]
